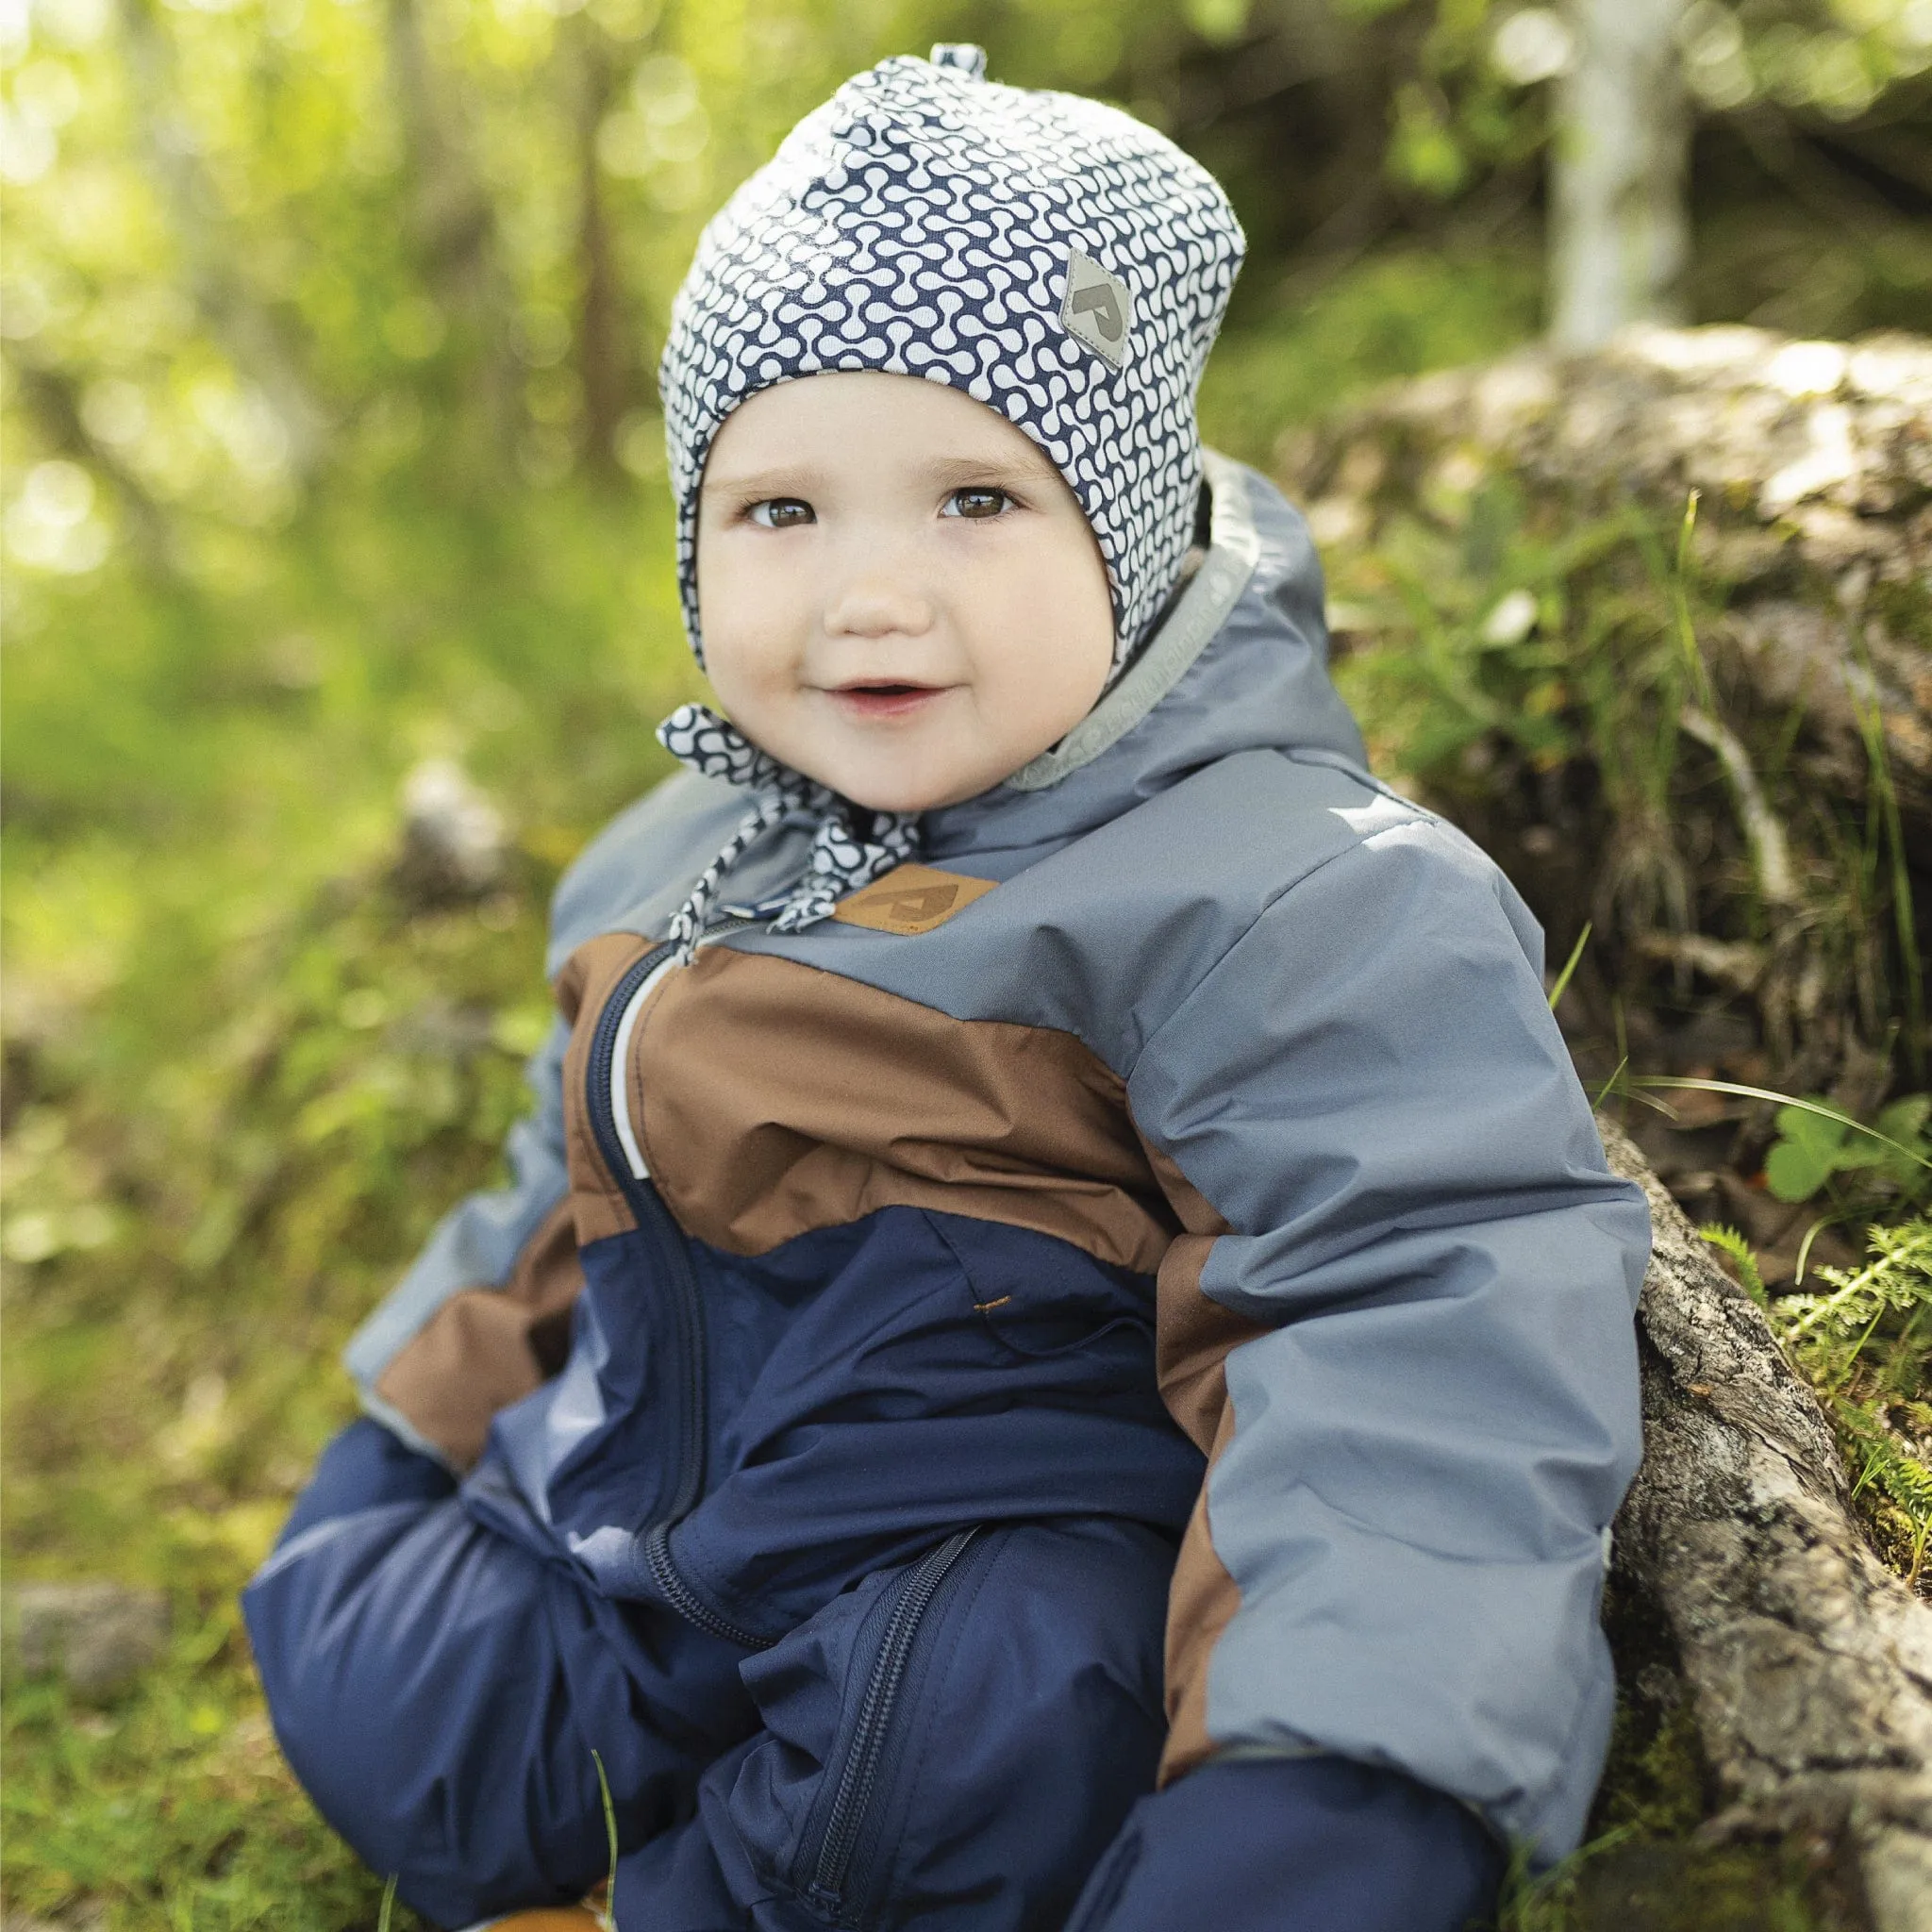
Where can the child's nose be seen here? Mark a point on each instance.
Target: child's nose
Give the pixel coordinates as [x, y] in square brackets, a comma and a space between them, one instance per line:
[878, 601]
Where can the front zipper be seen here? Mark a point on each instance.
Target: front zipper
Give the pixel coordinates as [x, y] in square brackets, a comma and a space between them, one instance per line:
[625, 1165]
[862, 1758]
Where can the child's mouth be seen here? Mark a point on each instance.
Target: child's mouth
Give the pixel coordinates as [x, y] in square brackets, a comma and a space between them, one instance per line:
[883, 699]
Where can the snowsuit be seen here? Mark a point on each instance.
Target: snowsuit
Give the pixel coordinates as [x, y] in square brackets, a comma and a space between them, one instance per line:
[1140, 1289]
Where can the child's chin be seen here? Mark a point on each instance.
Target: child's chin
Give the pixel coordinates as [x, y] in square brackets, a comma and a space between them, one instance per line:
[907, 797]
[912, 786]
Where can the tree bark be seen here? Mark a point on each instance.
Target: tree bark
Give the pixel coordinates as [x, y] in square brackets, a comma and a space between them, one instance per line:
[1808, 1663]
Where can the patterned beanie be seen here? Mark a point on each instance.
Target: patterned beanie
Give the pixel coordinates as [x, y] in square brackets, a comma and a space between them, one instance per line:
[1050, 257]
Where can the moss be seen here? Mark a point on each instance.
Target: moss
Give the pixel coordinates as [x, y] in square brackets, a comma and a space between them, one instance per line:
[1642, 1868]
[1674, 1887]
[1655, 1782]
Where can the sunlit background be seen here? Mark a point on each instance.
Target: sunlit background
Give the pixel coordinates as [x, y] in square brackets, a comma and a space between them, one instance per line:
[334, 471]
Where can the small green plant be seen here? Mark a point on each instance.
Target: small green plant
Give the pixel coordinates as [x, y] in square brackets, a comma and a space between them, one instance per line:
[1817, 1141]
[1546, 1901]
[1864, 1341]
[1813, 1146]
[1743, 1259]
[1570, 966]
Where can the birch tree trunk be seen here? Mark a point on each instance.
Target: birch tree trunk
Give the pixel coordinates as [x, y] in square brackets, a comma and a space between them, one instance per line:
[1620, 229]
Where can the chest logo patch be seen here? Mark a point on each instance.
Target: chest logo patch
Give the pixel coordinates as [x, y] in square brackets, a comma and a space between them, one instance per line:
[912, 899]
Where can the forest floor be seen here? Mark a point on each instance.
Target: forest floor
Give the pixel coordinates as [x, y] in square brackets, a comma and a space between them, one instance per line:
[247, 1067]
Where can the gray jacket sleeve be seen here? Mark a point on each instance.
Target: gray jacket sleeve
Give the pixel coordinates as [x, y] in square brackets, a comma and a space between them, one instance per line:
[1421, 1305]
[476, 1245]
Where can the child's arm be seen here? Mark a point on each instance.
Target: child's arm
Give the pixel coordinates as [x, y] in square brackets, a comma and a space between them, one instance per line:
[482, 1316]
[1402, 1330]
[474, 1323]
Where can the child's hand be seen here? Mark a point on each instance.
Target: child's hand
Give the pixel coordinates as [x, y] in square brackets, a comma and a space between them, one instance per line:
[1294, 1845]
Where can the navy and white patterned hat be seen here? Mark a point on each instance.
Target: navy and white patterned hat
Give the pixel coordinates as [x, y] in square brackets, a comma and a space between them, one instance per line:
[1051, 256]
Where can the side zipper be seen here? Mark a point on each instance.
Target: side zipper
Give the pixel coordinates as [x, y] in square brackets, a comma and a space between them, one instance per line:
[667, 1242]
[859, 1777]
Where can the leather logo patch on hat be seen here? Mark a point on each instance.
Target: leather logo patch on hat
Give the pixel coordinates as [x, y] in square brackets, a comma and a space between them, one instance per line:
[912, 899]
[1096, 308]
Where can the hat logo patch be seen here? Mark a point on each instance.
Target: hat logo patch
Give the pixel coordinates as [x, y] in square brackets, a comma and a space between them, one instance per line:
[1097, 308]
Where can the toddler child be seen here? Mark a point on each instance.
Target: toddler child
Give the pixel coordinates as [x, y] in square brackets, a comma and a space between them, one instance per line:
[1059, 1352]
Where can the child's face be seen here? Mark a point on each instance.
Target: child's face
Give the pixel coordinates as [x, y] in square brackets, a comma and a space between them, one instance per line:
[900, 596]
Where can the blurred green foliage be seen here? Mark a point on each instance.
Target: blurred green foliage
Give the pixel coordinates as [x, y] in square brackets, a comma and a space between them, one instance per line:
[331, 447]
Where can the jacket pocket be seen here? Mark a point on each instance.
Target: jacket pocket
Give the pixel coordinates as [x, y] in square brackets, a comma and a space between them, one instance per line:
[1041, 1297]
[839, 1696]
[951, 1746]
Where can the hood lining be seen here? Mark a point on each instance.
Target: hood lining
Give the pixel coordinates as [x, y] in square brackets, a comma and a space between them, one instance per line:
[1234, 549]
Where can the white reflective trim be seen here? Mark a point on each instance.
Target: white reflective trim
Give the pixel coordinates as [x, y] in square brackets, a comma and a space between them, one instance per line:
[619, 1067]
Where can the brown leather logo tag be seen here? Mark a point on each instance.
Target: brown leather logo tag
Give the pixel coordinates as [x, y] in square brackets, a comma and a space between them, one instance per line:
[912, 899]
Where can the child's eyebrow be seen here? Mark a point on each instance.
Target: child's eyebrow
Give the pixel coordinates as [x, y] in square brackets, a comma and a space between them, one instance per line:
[791, 479]
[953, 473]
[940, 475]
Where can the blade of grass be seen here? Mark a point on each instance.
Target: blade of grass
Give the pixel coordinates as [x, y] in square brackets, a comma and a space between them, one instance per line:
[388, 1904]
[1817, 1107]
[1680, 604]
[1609, 1086]
[1811, 1234]
[609, 1914]
[1870, 719]
[1570, 965]
[1616, 1085]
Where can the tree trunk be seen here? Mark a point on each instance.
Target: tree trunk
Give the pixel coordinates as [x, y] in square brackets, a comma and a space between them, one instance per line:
[1620, 225]
[455, 223]
[602, 367]
[248, 331]
[1808, 1663]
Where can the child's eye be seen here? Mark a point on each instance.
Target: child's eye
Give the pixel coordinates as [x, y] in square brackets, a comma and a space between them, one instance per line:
[782, 512]
[976, 502]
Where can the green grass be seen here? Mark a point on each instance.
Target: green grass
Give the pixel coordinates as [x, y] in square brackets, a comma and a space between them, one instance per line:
[1862, 1338]
[244, 1079]
[1516, 659]
[172, 1806]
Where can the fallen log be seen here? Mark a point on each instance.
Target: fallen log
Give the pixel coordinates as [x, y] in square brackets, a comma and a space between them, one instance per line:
[1807, 1662]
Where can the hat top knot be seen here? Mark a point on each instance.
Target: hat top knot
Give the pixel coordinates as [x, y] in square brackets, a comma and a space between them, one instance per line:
[961, 56]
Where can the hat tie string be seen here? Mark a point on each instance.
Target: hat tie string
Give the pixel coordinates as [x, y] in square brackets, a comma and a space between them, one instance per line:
[841, 860]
